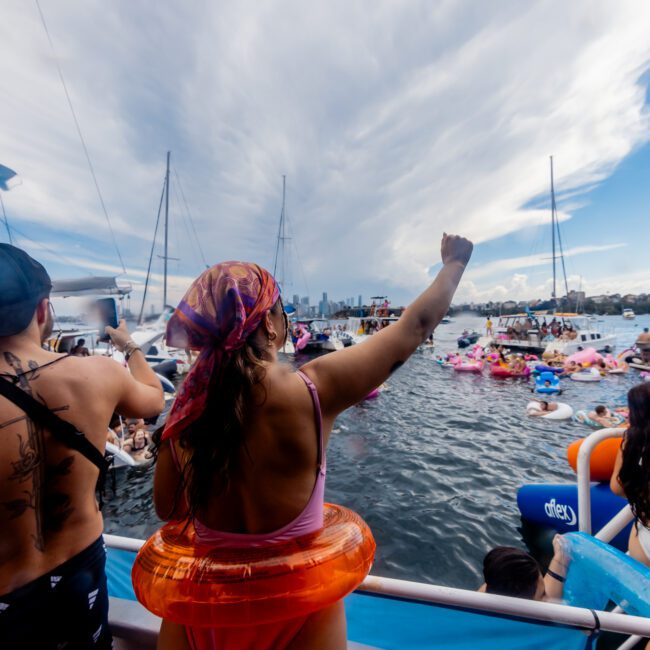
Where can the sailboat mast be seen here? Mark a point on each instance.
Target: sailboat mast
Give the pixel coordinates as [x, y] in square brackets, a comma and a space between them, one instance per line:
[554, 295]
[281, 238]
[166, 232]
[284, 195]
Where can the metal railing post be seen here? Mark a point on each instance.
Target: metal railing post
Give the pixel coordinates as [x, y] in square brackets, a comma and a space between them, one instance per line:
[584, 482]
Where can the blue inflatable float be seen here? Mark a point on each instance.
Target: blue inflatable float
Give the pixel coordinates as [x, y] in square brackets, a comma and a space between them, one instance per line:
[556, 507]
[599, 573]
[553, 383]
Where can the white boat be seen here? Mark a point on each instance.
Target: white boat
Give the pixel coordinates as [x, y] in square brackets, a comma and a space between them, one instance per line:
[578, 331]
[628, 314]
[390, 613]
[359, 325]
[523, 332]
[323, 338]
[120, 457]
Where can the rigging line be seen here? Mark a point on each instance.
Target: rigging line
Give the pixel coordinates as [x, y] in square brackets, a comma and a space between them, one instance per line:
[292, 238]
[190, 239]
[57, 254]
[2, 203]
[277, 244]
[189, 213]
[83, 142]
[153, 246]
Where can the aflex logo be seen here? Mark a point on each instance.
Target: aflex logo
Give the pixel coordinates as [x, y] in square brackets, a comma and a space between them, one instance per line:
[560, 511]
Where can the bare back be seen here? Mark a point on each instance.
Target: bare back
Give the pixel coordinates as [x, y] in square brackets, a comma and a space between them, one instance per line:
[48, 510]
[275, 472]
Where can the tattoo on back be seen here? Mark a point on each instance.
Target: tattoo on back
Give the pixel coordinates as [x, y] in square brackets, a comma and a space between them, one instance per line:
[51, 507]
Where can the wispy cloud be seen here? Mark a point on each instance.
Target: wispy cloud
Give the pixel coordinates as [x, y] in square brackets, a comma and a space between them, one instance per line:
[394, 122]
[528, 261]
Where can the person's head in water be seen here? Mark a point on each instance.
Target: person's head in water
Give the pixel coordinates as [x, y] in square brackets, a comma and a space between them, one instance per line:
[601, 410]
[509, 571]
[24, 295]
[234, 316]
[635, 468]
[547, 383]
[544, 405]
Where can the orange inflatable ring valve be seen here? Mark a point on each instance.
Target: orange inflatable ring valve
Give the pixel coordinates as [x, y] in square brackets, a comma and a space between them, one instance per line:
[602, 460]
[179, 579]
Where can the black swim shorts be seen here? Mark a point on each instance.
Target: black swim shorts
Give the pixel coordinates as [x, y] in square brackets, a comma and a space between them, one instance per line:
[65, 609]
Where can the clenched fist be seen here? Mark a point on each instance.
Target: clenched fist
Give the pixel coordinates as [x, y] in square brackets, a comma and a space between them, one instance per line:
[455, 249]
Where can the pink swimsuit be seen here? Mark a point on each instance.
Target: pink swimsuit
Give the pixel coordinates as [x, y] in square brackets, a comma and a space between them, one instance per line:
[272, 636]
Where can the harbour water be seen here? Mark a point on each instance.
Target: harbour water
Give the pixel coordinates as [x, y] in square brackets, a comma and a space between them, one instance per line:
[434, 463]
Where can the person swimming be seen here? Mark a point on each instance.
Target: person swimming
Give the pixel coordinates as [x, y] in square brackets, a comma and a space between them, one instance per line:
[544, 406]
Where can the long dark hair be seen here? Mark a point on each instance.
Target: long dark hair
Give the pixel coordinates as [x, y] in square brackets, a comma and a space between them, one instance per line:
[214, 440]
[635, 469]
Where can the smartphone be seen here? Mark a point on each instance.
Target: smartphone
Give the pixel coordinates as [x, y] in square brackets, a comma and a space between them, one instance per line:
[107, 310]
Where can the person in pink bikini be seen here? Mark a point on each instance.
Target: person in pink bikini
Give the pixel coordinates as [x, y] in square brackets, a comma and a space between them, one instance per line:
[243, 453]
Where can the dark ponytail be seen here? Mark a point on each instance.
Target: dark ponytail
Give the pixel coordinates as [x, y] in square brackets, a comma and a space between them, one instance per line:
[212, 443]
[634, 475]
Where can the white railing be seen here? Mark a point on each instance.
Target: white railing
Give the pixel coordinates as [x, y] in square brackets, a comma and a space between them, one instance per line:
[623, 518]
[481, 603]
[617, 523]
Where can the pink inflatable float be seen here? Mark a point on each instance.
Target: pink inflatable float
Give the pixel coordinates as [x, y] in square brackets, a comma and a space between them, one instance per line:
[503, 371]
[584, 357]
[304, 336]
[468, 366]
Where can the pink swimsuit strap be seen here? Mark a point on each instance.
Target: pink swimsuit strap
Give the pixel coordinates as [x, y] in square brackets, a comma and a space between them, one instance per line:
[308, 521]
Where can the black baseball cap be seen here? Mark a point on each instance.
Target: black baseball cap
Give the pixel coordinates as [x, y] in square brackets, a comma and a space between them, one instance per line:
[24, 282]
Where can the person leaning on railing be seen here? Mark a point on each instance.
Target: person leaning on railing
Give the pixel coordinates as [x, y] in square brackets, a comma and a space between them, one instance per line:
[631, 475]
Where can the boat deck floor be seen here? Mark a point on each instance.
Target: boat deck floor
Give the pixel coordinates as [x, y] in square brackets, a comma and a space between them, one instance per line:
[135, 628]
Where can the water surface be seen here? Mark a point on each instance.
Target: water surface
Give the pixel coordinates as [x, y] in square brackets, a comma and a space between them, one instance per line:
[433, 464]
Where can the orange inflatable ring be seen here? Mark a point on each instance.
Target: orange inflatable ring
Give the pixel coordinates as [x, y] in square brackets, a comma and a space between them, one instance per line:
[178, 579]
[602, 460]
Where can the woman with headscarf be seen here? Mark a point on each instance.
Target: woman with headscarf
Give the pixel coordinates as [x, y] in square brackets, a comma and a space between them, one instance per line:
[243, 453]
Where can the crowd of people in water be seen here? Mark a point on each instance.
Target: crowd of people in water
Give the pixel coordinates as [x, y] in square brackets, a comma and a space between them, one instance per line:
[132, 435]
[241, 458]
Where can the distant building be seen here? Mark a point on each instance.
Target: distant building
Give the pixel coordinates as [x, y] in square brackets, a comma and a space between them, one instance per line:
[324, 305]
[296, 300]
[360, 302]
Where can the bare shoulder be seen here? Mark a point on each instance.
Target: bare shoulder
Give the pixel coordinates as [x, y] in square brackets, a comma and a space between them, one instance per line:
[286, 402]
[282, 386]
[95, 372]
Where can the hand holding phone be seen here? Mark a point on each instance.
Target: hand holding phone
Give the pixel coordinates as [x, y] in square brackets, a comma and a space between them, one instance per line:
[118, 335]
[107, 310]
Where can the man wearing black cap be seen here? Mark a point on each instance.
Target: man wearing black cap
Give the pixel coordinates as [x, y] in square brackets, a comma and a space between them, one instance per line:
[54, 413]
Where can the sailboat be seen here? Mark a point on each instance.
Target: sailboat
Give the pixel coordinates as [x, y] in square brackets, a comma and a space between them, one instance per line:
[524, 331]
[305, 335]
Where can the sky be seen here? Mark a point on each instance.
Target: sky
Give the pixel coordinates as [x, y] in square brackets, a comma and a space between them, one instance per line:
[392, 121]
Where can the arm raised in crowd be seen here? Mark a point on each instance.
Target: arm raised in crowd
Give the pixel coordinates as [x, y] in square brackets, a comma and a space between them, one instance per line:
[139, 391]
[346, 377]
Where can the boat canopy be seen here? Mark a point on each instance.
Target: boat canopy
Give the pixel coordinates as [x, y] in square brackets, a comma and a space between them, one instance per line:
[89, 286]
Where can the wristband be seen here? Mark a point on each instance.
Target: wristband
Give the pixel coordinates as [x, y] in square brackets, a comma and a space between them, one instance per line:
[129, 349]
[556, 576]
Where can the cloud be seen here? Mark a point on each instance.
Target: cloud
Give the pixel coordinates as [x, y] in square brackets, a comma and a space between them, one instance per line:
[393, 121]
[528, 261]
